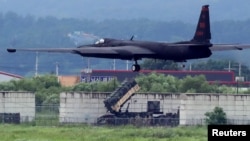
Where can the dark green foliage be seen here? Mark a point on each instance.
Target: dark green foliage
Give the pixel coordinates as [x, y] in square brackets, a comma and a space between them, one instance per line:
[7, 86]
[197, 84]
[31, 84]
[218, 116]
[157, 82]
[48, 96]
[46, 88]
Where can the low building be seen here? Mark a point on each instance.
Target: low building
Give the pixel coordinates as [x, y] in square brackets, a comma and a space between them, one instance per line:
[106, 75]
[68, 81]
[218, 77]
[4, 76]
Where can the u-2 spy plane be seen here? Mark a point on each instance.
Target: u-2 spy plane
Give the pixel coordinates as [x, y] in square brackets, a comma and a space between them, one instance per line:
[198, 47]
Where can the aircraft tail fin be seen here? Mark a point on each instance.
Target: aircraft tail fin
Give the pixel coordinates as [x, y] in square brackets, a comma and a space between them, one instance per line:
[202, 33]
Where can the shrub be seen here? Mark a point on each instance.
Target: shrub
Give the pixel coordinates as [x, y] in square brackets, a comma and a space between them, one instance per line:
[218, 116]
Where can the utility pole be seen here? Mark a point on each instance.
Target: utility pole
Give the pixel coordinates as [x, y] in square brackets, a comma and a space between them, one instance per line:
[88, 63]
[57, 69]
[114, 64]
[239, 79]
[229, 69]
[127, 64]
[36, 65]
[57, 72]
[239, 69]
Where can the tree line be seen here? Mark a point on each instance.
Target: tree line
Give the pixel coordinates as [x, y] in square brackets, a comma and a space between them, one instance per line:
[47, 88]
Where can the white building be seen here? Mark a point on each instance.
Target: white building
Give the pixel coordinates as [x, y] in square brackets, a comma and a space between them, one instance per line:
[4, 76]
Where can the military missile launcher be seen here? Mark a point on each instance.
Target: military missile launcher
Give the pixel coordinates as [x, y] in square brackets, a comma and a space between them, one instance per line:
[119, 97]
[115, 101]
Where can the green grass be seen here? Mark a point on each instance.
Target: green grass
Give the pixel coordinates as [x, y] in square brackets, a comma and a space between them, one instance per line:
[94, 133]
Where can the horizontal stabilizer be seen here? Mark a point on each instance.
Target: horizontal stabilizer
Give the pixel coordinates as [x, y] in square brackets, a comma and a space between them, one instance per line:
[222, 47]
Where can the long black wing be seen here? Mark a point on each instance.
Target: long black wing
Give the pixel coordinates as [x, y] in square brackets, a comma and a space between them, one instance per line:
[59, 50]
[103, 52]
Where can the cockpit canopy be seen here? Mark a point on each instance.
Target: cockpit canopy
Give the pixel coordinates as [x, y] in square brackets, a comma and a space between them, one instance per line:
[100, 41]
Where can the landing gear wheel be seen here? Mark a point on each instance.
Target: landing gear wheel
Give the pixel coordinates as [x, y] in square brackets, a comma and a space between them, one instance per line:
[136, 68]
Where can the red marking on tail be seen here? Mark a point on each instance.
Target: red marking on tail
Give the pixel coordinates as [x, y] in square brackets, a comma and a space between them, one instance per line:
[202, 33]
[202, 25]
[199, 33]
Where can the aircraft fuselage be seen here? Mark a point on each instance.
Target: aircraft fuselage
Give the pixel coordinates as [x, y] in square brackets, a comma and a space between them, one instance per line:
[161, 50]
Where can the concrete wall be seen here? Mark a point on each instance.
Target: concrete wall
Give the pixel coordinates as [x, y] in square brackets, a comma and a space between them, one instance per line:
[194, 106]
[18, 102]
[81, 107]
[87, 107]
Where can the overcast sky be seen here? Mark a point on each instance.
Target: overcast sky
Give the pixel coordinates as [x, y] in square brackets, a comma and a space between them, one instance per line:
[166, 10]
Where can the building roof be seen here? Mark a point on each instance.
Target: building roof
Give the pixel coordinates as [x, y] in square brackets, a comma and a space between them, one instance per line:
[4, 76]
[11, 75]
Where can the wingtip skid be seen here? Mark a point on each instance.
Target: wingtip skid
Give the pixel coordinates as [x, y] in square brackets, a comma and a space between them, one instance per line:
[11, 50]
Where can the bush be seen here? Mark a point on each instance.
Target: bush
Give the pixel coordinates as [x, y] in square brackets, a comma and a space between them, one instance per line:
[218, 116]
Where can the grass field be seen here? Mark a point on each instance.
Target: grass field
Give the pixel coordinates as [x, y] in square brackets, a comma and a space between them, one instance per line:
[93, 133]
